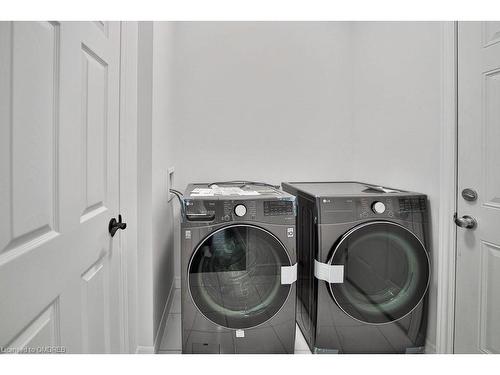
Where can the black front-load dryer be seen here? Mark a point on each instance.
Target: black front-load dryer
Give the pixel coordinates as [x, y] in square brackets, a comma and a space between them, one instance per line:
[363, 267]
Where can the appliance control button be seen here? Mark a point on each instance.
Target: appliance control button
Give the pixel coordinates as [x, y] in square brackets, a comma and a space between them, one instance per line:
[240, 210]
[378, 207]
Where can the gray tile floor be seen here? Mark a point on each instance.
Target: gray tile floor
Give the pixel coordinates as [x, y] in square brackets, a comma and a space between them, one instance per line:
[171, 341]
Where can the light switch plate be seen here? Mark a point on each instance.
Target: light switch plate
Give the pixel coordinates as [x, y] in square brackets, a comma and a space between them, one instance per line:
[170, 182]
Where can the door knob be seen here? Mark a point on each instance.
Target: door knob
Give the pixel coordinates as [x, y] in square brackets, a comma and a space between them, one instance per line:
[115, 225]
[467, 222]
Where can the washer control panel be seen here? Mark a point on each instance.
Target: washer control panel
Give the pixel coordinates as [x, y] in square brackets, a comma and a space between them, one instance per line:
[412, 204]
[378, 207]
[265, 205]
[232, 210]
[278, 208]
[240, 210]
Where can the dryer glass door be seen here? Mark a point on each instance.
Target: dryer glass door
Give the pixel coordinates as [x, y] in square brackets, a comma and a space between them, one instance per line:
[386, 272]
[235, 276]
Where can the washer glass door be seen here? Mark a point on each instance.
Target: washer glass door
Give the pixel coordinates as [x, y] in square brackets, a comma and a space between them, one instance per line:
[235, 276]
[386, 272]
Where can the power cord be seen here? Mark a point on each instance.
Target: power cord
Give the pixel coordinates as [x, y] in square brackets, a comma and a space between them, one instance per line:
[180, 197]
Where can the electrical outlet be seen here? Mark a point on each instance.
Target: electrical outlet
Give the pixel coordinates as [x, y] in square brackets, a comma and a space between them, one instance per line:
[170, 182]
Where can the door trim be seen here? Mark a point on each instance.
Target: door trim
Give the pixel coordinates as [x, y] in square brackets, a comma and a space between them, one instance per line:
[128, 182]
[446, 253]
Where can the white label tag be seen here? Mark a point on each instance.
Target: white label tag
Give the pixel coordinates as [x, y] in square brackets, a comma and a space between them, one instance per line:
[289, 274]
[216, 190]
[332, 273]
[289, 232]
[187, 235]
[240, 333]
[248, 192]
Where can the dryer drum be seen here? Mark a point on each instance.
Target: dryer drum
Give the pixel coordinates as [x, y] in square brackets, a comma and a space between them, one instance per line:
[386, 272]
[235, 276]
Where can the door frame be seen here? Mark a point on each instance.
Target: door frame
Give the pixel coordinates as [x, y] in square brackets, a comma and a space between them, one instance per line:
[447, 250]
[128, 182]
[448, 164]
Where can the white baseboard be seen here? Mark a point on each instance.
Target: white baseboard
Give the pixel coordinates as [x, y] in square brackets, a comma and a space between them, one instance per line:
[177, 282]
[145, 350]
[163, 321]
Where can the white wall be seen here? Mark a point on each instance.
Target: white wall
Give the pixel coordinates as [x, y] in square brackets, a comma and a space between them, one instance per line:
[397, 115]
[162, 159]
[246, 95]
[155, 272]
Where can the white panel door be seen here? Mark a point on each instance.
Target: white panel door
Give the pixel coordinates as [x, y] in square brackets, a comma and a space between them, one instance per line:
[477, 323]
[59, 176]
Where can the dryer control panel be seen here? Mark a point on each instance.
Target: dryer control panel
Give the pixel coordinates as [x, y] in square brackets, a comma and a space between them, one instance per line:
[347, 209]
[376, 207]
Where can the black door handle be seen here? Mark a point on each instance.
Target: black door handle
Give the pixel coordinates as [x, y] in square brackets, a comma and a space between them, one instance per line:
[115, 225]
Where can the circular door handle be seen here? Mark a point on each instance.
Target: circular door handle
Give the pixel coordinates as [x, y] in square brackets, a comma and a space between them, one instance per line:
[467, 222]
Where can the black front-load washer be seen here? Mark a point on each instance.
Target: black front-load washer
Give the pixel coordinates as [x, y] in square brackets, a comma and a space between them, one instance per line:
[363, 267]
[239, 269]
